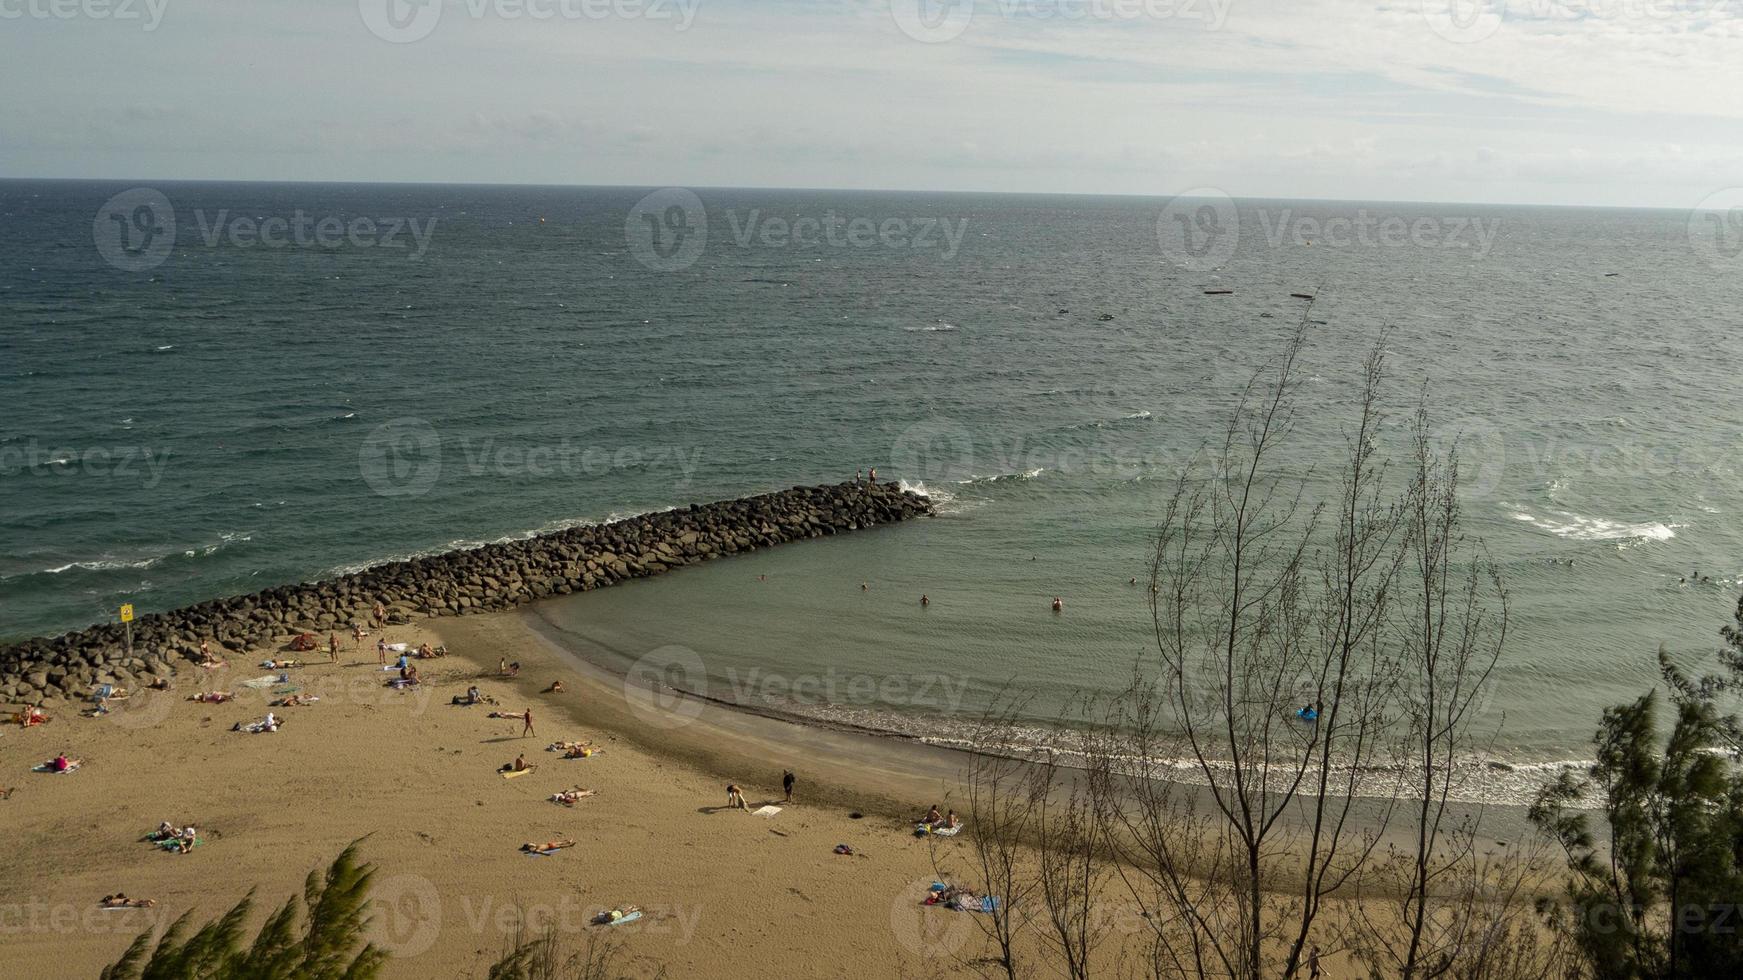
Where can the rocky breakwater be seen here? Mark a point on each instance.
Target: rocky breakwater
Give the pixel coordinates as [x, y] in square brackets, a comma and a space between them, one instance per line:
[493, 577]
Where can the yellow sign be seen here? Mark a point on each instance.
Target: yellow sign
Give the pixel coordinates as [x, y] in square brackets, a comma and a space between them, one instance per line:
[127, 613]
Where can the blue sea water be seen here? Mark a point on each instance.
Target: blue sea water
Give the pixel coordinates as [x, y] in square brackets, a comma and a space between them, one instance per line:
[241, 414]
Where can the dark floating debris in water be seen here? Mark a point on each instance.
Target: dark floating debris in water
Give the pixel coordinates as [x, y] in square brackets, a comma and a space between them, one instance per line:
[1219, 292]
[1609, 274]
[1105, 316]
[1300, 295]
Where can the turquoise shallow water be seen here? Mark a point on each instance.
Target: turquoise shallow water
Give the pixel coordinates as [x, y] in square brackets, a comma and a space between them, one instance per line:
[240, 415]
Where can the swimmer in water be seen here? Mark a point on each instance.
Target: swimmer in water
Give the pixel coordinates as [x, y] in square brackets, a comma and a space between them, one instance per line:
[924, 600]
[1057, 605]
[863, 587]
[1134, 580]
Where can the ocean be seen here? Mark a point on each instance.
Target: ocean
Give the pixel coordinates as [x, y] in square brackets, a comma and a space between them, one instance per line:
[212, 388]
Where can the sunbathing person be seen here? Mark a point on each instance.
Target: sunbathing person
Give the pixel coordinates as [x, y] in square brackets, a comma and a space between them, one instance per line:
[569, 796]
[616, 915]
[424, 651]
[550, 845]
[212, 697]
[295, 700]
[185, 841]
[31, 717]
[61, 763]
[281, 664]
[121, 901]
[512, 715]
[933, 817]
[555, 688]
[518, 765]
[580, 751]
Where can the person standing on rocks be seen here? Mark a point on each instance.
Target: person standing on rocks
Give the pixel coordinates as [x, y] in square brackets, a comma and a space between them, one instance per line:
[380, 614]
[874, 475]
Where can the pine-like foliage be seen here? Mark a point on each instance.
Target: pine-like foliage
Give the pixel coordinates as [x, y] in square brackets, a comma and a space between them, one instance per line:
[330, 945]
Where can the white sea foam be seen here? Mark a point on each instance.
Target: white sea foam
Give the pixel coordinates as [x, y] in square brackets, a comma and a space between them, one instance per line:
[1578, 527]
[996, 478]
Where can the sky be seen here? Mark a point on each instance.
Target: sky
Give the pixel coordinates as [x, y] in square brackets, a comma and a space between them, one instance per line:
[1605, 102]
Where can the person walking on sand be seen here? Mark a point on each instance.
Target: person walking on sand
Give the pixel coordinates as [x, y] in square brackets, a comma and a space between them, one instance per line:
[528, 717]
[735, 798]
[1313, 962]
[787, 781]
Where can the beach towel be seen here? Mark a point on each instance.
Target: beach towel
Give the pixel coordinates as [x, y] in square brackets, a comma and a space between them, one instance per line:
[542, 854]
[396, 647]
[512, 773]
[767, 811]
[264, 682]
[926, 829]
[608, 919]
[170, 845]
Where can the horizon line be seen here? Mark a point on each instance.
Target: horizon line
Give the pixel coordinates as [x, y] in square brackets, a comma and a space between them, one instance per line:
[817, 188]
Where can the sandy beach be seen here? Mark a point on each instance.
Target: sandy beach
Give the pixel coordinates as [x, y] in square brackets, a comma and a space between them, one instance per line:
[416, 778]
